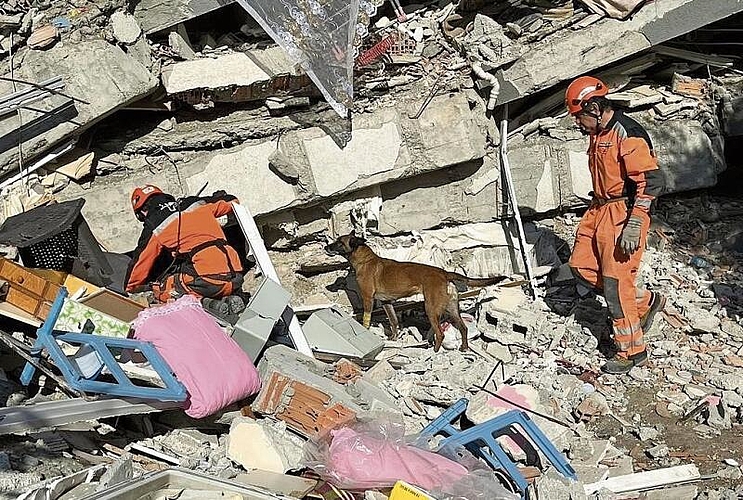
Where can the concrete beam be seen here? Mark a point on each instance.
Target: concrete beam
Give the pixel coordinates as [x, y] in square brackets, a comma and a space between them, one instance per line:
[238, 77]
[564, 55]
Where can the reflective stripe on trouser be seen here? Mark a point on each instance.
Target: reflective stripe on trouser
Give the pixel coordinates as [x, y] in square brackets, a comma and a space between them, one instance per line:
[598, 261]
[180, 284]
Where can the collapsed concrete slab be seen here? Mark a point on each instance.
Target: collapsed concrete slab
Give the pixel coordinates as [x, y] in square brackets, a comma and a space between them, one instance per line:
[101, 76]
[237, 77]
[564, 55]
[386, 146]
[156, 15]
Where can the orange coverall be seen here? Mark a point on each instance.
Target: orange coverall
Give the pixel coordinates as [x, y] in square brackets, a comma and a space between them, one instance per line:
[209, 267]
[625, 179]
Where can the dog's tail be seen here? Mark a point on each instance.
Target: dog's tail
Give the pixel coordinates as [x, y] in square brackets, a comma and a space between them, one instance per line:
[461, 278]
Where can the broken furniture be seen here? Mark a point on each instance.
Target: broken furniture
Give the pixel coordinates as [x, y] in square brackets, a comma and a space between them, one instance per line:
[78, 317]
[27, 290]
[83, 373]
[480, 440]
[258, 319]
[113, 304]
[57, 237]
[331, 331]
[258, 248]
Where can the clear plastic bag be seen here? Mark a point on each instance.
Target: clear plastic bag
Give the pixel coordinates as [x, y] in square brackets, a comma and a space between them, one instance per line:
[375, 454]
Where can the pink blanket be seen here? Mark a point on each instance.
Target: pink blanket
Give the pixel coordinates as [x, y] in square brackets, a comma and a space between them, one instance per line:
[212, 367]
[359, 461]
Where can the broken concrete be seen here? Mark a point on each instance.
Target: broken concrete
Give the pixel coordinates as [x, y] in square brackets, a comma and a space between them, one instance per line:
[107, 81]
[446, 135]
[558, 57]
[296, 391]
[386, 145]
[125, 27]
[263, 445]
[155, 15]
[551, 173]
[237, 77]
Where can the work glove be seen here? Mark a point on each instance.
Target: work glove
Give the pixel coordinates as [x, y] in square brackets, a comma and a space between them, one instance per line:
[629, 240]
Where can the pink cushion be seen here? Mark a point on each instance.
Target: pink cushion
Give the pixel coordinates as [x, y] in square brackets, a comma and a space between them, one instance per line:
[212, 367]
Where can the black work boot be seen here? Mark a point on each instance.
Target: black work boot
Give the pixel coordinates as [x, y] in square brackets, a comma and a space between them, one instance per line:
[657, 303]
[619, 365]
[235, 303]
[216, 306]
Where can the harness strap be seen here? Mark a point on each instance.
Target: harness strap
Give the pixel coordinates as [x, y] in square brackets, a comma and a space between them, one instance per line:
[219, 243]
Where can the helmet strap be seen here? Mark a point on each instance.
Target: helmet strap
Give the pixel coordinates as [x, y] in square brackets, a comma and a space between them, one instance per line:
[596, 116]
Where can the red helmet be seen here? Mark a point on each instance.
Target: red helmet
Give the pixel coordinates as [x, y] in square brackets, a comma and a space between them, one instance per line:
[581, 90]
[140, 196]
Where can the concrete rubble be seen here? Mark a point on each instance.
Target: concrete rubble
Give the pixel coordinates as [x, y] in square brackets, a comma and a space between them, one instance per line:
[170, 93]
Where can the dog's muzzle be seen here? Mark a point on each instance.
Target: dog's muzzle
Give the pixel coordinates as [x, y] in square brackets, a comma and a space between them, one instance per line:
[333, 249]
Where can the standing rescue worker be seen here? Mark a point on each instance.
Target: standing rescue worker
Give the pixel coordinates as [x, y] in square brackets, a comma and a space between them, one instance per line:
[611, 235]
[203, 263]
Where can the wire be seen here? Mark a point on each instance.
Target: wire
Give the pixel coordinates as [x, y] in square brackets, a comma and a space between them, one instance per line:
[39, 86]
[529, 410]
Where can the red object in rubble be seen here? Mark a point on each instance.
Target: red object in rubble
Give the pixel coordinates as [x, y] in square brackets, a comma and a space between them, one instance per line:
[376, 51]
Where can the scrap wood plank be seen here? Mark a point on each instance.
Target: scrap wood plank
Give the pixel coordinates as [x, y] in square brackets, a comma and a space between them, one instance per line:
[646, 480]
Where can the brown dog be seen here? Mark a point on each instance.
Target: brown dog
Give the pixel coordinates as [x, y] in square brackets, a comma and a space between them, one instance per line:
[385, 279]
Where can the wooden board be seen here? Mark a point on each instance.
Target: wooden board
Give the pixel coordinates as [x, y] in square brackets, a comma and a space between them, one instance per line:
[113, 304]
[73, 284]
[646, 480]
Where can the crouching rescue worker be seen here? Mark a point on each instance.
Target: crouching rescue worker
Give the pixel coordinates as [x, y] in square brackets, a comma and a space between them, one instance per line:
[611, 235]
[203, 264]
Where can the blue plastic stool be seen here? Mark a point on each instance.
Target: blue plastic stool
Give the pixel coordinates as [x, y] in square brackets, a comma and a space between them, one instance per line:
[47, 338]
[480, 440]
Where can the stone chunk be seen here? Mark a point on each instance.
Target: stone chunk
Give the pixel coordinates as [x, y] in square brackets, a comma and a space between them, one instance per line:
[263, 445]
[125, 27]
[296, 391]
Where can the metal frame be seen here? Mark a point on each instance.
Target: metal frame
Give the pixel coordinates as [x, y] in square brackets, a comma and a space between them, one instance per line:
[47, 339]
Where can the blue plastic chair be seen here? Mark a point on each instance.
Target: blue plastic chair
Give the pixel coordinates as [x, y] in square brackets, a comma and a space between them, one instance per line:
[47, 338]
[480, 440]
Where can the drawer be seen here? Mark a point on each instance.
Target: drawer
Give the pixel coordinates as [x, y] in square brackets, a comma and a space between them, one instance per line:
[24, 301]
[29, 292]
[22, 278]
[36, 306]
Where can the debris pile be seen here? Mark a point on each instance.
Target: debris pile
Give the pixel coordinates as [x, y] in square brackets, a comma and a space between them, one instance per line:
[102, 96]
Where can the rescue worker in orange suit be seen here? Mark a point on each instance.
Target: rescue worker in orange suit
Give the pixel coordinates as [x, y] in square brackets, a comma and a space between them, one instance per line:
[204, 264]
[611, 235]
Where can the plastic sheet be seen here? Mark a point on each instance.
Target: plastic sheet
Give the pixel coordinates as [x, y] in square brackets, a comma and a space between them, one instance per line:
[319, 36]
[375, 454]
